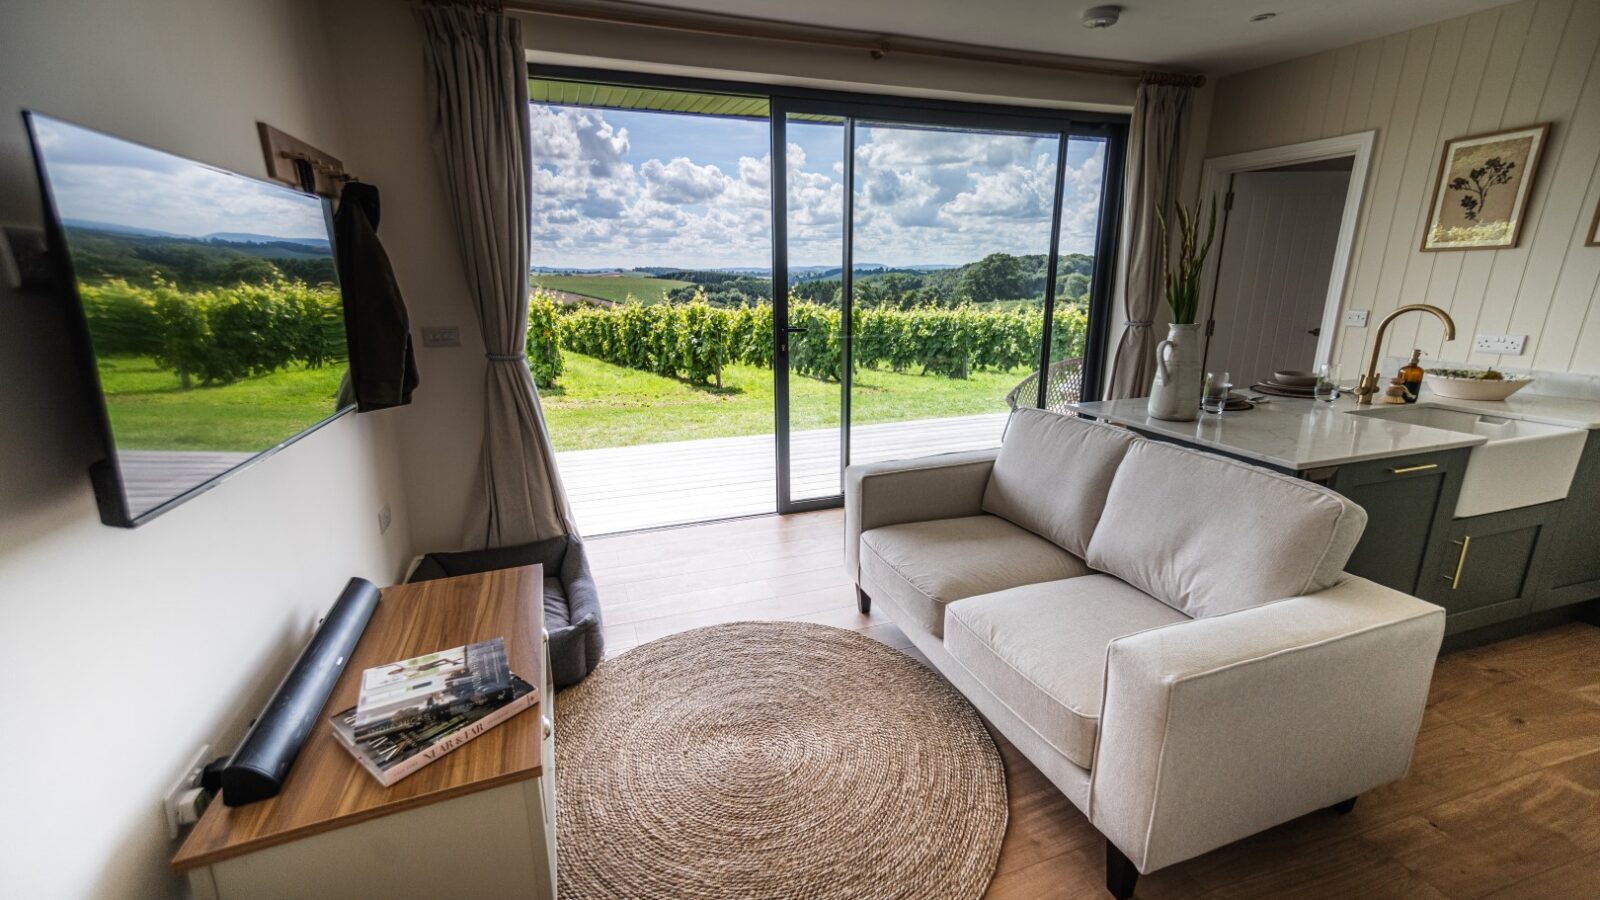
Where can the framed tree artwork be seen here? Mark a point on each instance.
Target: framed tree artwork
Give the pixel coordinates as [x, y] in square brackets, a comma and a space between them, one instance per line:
[1482, 189]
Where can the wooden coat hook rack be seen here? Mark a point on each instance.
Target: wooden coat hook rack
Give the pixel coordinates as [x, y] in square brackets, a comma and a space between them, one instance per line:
[288, 158]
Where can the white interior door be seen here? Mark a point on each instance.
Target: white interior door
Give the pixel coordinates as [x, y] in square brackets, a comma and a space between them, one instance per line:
[1276, 260]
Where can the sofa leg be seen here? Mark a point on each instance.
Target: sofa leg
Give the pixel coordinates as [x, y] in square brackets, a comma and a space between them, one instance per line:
[1120, 873]
[1343, 807]
[863, 602]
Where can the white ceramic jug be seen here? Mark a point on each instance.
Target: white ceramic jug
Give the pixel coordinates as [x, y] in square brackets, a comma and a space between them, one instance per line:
[1175, 395]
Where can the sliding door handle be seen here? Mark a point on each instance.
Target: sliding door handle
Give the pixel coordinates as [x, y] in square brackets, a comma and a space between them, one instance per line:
[794, 329]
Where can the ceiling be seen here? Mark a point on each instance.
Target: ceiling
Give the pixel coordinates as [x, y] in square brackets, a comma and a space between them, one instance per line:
[1209, 36]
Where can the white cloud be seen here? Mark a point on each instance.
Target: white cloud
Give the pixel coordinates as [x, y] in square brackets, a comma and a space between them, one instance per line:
[681, 181]
[923, 196]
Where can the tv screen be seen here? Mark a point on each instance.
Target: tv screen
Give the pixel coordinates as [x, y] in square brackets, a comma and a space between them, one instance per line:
[212, 325]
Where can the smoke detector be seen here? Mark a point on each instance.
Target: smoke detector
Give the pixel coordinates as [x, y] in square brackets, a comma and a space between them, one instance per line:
[1101, 16]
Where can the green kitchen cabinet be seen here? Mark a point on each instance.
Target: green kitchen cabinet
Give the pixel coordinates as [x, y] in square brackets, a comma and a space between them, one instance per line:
[1409, 502]
[1493, 570]
[1572, 574]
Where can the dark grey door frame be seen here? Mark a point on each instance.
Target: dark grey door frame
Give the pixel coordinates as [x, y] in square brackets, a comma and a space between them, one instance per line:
[850, 107]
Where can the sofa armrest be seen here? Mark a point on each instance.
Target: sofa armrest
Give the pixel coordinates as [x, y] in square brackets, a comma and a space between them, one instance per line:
[944, 486]
[1217, 728]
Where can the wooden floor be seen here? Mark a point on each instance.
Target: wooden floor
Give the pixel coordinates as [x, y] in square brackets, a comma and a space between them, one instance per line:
[650, 485]
[1503, 800]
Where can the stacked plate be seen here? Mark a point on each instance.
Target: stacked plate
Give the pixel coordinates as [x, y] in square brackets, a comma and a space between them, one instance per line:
[1289, 383]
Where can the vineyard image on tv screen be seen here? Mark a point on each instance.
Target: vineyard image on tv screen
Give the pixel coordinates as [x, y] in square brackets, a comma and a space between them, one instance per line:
[213, 318]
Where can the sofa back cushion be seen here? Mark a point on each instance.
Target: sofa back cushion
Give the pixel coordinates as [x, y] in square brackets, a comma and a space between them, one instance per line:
[1208, 535]
[1053, 473]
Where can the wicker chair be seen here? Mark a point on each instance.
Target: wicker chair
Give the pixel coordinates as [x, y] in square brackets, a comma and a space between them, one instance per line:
[1064, 385]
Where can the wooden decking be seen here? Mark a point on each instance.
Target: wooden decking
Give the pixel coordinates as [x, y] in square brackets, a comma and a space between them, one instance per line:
[152, 477]
[650, 485]
[1502, 802]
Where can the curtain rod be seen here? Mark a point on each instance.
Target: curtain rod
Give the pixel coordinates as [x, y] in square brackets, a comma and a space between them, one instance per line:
[765, 30]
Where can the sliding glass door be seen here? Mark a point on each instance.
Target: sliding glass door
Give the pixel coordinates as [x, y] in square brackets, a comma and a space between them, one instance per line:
[752, 287]
[932, 272]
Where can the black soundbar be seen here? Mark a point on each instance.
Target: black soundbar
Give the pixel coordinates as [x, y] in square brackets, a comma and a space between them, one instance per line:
[258, 767]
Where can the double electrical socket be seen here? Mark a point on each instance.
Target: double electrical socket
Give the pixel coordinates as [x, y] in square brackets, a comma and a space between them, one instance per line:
[189, 780]
[1503, 344]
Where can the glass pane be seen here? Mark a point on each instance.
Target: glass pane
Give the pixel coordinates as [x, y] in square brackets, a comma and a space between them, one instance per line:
[952, 239]
[816, 255]
[650, 322]
[1075, 272]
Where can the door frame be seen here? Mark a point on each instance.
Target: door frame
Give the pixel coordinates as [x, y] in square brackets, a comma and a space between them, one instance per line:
[1112, 127]
[1216, 181]
[1063, 125]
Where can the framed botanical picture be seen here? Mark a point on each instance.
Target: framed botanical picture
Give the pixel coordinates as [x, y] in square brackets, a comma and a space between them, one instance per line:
[1482, 189]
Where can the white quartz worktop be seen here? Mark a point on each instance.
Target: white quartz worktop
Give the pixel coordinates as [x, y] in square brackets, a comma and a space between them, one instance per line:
[1568, 411]
[1306, 434]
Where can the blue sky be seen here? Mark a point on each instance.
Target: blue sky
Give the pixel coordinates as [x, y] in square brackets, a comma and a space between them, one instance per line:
[104, 179]
[616, 188]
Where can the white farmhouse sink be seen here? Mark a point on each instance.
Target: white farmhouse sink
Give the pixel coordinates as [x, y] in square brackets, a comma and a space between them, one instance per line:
[1522, 463]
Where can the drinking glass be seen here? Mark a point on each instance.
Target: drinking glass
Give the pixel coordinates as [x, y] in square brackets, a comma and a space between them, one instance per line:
[1215, 396]
[1327, 389]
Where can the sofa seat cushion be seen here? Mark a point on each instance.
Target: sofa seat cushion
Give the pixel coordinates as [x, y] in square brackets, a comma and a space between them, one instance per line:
[1053, 474]
[1209, 535]
[922, 566]
[1041, 649]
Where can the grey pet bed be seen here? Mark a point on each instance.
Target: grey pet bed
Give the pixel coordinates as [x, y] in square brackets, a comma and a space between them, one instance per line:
[571, 603]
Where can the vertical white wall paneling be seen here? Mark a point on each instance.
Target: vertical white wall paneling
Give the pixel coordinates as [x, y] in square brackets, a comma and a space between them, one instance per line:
[1443, 270]
[1520, 64]
[1405, 272]
[1537, 95]
[1276, 259]
[1573, 95]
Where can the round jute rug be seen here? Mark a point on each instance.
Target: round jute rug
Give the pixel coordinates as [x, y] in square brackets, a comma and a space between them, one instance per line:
[768, 760]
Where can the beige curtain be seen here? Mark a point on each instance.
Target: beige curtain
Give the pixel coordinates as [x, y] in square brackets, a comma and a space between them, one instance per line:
[478, 91]
[1154, 162]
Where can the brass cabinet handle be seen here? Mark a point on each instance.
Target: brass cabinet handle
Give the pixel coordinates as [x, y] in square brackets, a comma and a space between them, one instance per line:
[1406, 470]
[1461, 562]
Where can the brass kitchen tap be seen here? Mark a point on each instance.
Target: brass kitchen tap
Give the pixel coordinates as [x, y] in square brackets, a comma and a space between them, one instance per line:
[1368, 385]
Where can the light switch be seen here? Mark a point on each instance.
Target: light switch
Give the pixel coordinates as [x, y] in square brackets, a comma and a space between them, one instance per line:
[441, 336]
[1355, 318]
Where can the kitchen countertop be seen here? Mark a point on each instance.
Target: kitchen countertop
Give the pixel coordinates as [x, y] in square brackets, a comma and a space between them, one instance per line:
[1299, 434]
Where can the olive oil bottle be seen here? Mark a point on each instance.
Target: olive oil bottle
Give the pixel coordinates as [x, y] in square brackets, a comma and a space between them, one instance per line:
[1411, 376]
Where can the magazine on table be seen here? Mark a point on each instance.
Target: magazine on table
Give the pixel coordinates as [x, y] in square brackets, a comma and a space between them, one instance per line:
[432, 687]
[396, 753]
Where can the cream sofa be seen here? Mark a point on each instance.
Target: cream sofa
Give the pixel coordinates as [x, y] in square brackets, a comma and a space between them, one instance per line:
[1167, 634]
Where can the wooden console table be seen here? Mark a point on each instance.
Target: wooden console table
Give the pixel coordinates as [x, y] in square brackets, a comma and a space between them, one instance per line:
[478, 823]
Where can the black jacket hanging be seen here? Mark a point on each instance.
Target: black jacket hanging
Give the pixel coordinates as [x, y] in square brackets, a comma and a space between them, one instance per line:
[383, 367]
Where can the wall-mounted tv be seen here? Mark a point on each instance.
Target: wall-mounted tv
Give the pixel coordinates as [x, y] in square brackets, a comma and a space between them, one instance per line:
[206, 308]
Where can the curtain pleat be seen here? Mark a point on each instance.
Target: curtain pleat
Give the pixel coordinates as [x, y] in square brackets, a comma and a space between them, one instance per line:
[1154, 163]
[478, 90]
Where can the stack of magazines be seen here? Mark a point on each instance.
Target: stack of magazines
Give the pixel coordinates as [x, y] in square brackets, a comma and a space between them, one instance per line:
[412, 712]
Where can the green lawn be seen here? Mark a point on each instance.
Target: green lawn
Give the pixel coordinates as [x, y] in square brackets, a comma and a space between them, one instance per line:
[596, 405]
[149, 411]
[601, 405]
[610, 287]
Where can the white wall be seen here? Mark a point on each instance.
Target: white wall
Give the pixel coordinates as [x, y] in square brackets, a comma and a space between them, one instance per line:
[560, 41]
[1515, 65]
[128, 649]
